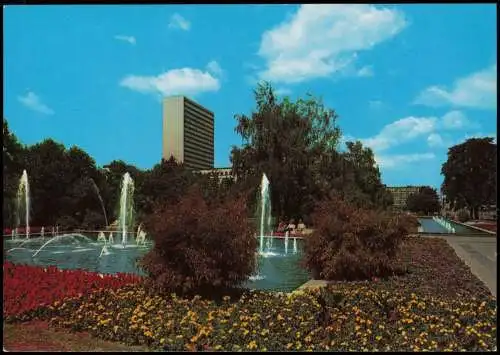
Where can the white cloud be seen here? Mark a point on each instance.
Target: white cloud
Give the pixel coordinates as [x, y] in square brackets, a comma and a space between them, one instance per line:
[214, 68]
[409, 128]
[33, 102]
[319, 40]
[435, 140]
[456, 120]
[185, 81]
[400, 161]
[375, 104]
[400, 131]
[129, 39]
[478, 90]
[179, 22]
[366, 71]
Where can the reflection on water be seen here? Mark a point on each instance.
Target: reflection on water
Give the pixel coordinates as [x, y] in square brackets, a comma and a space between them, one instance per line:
[428, 225]
[278, 269]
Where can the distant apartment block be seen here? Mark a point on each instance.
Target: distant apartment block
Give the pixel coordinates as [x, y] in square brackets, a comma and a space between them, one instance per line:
[188, 133]
[221, 173]
[400, 195]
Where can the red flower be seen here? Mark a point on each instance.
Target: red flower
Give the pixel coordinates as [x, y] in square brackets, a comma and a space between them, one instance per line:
[29, 287]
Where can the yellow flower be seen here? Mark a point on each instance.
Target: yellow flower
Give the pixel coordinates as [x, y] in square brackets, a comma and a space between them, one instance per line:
[148, 334]
[289, 345]
[252, 345]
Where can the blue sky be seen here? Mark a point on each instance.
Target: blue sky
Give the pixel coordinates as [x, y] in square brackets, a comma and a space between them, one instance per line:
[407, 80]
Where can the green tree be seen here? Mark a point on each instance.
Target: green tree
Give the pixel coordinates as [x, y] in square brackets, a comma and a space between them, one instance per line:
[47, 166]
[61, 187]
[470, 174]
[286, 140]
[426, 201]
[165, 182]
[113, 175]
[361, 167]
[13, 155]
[214, 188]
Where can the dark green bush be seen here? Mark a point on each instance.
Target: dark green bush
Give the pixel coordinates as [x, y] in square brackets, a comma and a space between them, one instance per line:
[199, 248]
[67, 223]
[463, 216]
[351, 243]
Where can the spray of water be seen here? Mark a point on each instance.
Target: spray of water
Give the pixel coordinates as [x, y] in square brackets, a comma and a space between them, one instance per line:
[265, 210]
[126, 205]
[96, 189]
[23, 201]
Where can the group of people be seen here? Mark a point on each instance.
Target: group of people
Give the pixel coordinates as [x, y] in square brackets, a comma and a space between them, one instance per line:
[290, 227]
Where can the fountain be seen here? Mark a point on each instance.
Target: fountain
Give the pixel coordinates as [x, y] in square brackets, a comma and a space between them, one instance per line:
[126, 205]
[13, 234]
[42, 232]
[104, 251]
[265, 210]
[141, 238]
[94, 185]
[276, 270]
[59, 237]
[23, 200]
[101, 237]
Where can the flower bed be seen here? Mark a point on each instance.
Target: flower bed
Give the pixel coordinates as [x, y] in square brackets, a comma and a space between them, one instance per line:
[352, 317]
[28, 287]
[438, 306]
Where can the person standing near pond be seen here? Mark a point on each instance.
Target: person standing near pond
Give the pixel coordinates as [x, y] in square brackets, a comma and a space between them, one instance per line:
[281, 226]
[301, 226]
[291, 226]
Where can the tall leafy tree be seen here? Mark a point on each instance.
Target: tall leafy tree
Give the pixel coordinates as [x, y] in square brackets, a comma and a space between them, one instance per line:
[287, 141]
[12, 154]
[166, 182]
[361, 166]
[470, 174]
[49, 175]
[426, 201]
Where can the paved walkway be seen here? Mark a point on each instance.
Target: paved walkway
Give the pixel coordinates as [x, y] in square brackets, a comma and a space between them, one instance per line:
[480, 254]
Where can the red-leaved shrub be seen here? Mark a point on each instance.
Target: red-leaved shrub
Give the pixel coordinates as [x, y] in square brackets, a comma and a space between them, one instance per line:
[351, 243]
[198, 248]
